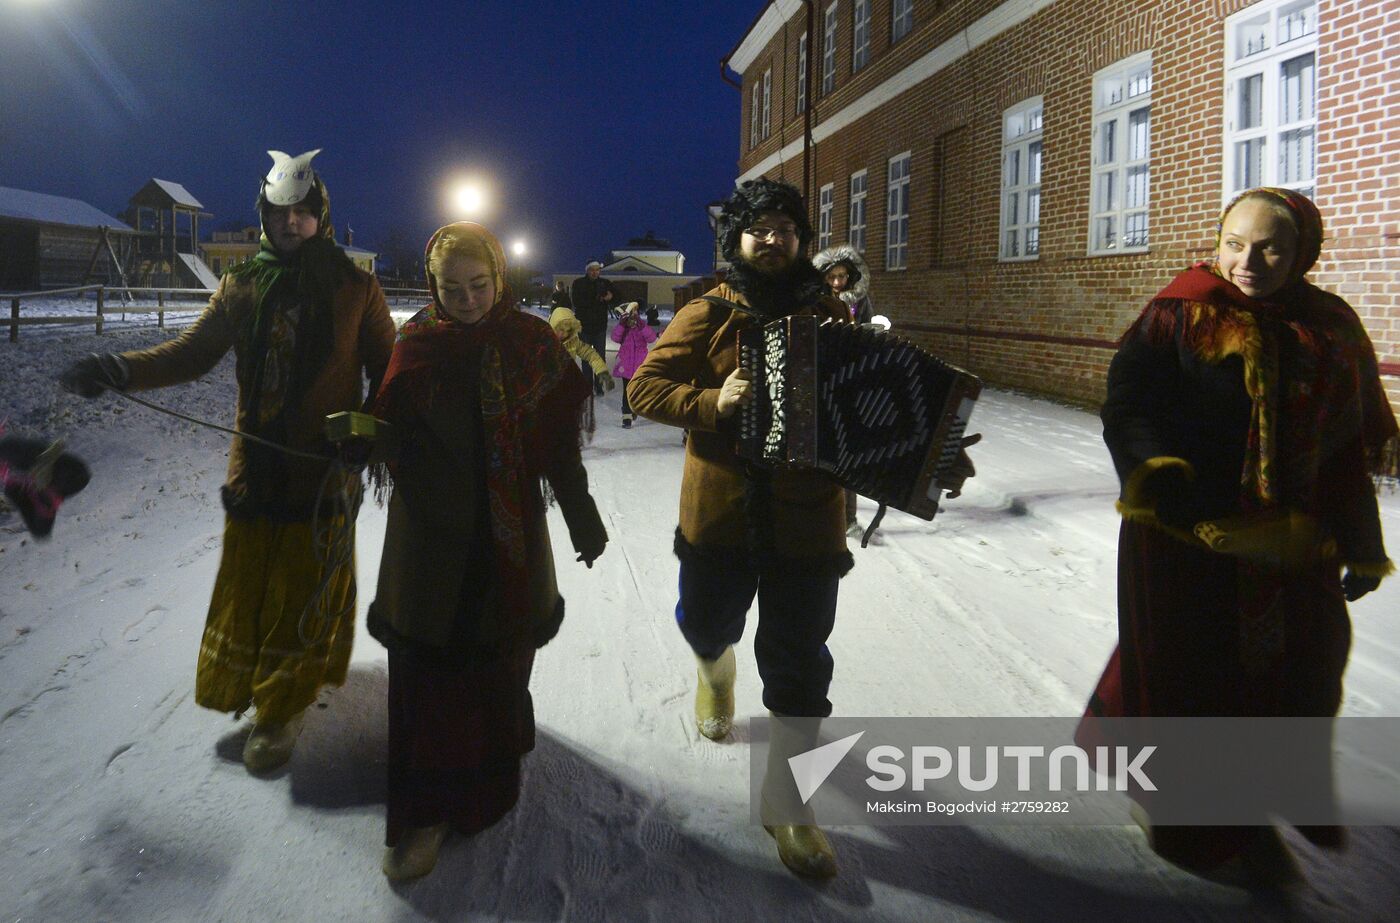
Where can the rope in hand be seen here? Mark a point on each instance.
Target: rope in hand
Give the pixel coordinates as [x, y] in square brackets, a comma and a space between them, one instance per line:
[333, 545]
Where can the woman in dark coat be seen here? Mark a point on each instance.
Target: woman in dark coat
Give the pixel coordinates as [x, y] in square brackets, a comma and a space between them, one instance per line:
[484, 402]
[1246, 420]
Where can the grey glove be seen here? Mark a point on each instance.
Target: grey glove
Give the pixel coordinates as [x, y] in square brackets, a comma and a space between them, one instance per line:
[95, 373]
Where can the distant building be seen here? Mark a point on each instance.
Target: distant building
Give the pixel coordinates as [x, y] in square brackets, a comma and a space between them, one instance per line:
[1023, 175]
[49, 242]
[650, 253]
[229, 248]
[646, 271]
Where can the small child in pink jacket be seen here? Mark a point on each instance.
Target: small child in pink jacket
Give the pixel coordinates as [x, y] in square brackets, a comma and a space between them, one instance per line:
[632, 334]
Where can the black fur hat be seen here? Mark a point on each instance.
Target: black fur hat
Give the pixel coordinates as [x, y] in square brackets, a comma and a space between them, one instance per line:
[752, 199]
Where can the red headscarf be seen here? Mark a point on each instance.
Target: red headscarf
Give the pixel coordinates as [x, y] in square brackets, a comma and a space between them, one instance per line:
[1333, 400]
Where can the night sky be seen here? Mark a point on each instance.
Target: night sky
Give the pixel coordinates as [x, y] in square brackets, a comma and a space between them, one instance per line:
[588, 123]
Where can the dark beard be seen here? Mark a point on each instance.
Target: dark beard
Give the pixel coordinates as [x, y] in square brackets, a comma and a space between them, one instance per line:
[777, 295]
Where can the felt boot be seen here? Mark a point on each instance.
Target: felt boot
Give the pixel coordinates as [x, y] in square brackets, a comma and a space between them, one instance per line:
[269, 746]
[802, 846]
[714, 695]
[416, 853]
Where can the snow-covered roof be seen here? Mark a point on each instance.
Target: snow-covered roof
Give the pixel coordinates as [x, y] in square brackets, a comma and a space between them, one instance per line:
[52, 209]
[178, 193]
[200, 270]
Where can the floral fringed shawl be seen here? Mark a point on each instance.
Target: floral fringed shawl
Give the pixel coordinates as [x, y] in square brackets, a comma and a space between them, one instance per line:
[1319, 396]
[531, 394]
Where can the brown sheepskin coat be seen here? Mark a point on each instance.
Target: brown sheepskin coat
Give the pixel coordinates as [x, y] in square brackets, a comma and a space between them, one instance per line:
[679, 384]
[363, 337]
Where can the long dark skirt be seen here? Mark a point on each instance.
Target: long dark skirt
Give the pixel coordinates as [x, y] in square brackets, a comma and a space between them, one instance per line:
[456, 739]
[1186, 648]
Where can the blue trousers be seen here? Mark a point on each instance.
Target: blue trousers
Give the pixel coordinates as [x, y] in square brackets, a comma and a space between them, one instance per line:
[795, 617]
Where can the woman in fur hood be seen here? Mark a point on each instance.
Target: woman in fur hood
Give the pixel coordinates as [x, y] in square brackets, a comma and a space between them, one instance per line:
[849, 279]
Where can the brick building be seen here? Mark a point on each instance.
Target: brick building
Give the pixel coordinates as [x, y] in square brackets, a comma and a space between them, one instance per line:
[1024, 174]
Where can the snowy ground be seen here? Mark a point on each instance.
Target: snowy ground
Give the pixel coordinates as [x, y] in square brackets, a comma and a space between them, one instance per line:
[126, 802]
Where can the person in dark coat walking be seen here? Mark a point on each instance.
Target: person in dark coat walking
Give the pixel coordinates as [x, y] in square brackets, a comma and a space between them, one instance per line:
[1246, 420]
[849, 279]
[560, 297]
[592, 296]
[484, 403]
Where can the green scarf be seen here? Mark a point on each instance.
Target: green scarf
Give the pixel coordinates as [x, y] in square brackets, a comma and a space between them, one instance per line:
[313, 273]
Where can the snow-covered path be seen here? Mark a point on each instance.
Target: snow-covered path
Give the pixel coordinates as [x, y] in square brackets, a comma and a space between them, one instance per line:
[124, 801]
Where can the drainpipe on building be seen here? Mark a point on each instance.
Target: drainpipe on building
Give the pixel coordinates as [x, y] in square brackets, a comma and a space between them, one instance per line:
[807, 110]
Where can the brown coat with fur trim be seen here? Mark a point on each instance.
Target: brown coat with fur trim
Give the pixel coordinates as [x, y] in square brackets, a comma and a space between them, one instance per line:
[679, 384]
[363, 337]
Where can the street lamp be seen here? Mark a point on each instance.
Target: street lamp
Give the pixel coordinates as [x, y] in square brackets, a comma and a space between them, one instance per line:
[468, 199]
[518, 248]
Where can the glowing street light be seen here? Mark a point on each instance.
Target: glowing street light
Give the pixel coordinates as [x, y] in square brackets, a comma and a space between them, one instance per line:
[518, 248]
[468, 199]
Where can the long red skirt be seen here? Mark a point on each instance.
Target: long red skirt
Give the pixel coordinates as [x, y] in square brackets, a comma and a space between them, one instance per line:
[456, 739]
[1186, 648]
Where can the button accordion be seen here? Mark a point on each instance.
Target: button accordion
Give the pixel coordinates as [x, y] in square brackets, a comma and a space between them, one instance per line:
[882, 416]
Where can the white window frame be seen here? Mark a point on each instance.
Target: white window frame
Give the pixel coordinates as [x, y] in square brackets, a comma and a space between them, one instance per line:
[753, 115]
[767, 103]
[826, 206]
[901, 19]
[855, 225]
[860, 34]
[897, 178]
[1022, 133]
[829, 50]
[802, 73]
[1121, 157]
[1287, 30]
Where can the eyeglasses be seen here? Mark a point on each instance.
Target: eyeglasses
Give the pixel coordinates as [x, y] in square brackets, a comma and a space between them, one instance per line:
[765, 233]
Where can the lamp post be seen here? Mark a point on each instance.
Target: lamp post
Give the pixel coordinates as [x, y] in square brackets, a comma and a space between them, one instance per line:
[518, 275]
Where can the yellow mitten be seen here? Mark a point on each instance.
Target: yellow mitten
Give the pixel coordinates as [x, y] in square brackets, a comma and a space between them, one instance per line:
[1279, 539]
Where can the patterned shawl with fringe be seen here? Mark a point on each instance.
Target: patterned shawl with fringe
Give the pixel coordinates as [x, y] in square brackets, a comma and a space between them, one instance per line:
[530, 392]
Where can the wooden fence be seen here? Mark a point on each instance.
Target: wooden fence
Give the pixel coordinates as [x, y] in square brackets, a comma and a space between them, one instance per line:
[105, 294]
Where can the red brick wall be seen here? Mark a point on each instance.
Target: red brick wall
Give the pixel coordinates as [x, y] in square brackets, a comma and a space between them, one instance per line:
[1045, 325]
